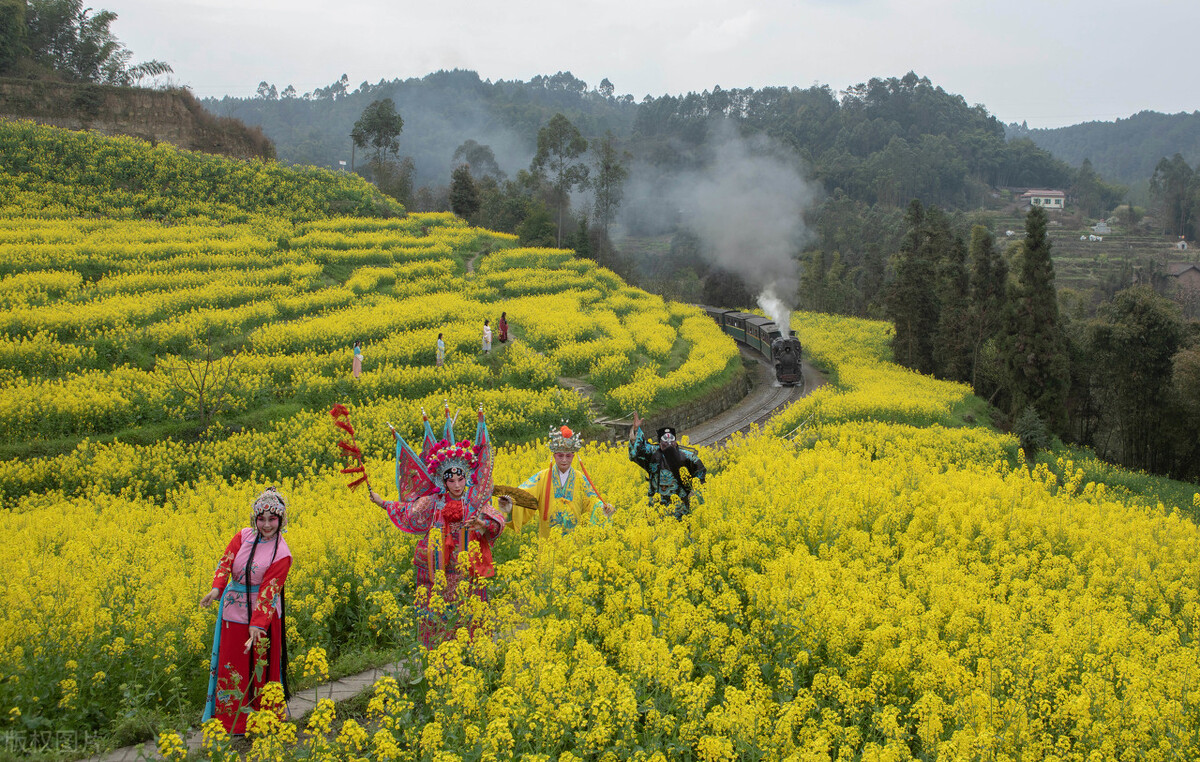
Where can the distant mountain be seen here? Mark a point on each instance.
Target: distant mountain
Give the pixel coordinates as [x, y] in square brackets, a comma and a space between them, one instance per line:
[884, 141]
[1124, 151]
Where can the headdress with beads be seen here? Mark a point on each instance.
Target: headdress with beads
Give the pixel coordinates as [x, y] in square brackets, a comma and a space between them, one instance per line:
[448, 459]
[418, 475]
[563, 439]
[270, 501]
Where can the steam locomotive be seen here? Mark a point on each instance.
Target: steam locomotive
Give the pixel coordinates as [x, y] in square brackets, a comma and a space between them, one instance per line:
[763, 336]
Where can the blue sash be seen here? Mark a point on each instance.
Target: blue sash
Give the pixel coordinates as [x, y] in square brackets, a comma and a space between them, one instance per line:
[211, 704]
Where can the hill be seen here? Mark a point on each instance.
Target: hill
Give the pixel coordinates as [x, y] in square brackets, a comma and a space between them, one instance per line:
[157, 116]
[886, 140]
[1127, 150]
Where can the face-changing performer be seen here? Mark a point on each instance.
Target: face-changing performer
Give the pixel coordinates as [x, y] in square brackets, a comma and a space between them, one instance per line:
[565, 495]
[445, 495]
[665, 463]
[251, 625]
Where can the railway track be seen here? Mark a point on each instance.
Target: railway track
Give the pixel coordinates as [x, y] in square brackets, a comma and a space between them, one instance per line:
[765, 399]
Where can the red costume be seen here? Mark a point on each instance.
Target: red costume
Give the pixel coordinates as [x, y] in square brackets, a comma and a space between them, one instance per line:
[426, 508]
[255, 600]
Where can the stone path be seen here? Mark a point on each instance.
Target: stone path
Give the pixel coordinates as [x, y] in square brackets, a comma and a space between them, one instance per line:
[299, 706]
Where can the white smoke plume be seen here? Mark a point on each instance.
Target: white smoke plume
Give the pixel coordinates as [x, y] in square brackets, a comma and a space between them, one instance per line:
[746, 206]
[774, 308]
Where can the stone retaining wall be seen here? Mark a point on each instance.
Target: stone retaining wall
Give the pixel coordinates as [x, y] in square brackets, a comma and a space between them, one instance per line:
[691, 413]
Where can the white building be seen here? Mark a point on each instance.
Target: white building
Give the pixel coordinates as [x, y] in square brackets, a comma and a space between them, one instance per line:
[1050, 199]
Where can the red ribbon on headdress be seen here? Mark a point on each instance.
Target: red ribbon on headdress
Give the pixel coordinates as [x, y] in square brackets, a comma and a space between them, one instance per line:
[349, 449]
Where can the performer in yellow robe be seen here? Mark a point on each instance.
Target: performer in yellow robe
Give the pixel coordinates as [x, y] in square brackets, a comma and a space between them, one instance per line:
[565, 495]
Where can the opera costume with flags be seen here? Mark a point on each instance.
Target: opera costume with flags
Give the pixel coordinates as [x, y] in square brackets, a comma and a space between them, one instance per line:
[445, 496]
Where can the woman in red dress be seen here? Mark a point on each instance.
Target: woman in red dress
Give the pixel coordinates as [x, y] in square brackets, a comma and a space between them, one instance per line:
[249, 648]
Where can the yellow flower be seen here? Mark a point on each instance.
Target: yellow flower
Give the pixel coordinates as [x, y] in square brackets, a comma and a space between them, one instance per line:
[171, 746]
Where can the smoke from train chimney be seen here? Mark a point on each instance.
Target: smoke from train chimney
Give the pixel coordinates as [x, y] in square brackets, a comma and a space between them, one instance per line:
[746, 205]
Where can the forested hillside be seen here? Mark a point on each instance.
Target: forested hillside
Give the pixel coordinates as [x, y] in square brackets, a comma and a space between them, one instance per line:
[887, 140]
[1127, 150]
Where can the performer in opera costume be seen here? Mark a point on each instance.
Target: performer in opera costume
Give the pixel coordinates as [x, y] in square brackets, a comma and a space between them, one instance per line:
[664, 464]
[565, 497]
[445, 495]
[249, 646]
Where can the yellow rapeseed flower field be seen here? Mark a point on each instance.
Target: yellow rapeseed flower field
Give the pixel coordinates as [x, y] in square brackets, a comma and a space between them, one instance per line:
[862, 580]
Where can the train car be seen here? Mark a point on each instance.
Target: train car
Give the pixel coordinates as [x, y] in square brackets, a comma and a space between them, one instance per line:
[717, 314]
[786, 351]
[735, 325]
[760, 332]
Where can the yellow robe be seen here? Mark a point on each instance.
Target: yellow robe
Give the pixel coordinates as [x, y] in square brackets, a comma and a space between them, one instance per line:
[562, 505]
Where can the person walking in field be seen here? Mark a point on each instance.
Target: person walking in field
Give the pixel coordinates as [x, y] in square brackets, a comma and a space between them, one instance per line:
[356, 363]
[487, 337]
[249, 643]
[502, 328]
[441, 350]
[565, 496]
[671, 469]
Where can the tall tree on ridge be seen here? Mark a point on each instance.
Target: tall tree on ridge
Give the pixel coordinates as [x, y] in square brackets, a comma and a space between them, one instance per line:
[1174, 188]
[379, 127]
[559, 143]
[609, 185]
[1134, 340]
[952, 347]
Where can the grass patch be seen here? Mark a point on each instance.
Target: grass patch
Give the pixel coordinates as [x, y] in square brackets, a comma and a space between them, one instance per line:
[676, 357]
[184, 431]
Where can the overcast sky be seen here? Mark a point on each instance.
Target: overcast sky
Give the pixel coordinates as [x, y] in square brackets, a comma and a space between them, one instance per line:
[1051, 64]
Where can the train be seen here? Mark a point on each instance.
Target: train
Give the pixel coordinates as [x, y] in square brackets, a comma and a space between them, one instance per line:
[763, 336]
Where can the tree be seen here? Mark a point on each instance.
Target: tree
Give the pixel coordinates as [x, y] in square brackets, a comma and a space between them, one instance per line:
[464, 196]
[65, 37]
[204, 376]
[952, 347]
[559, 143]
[379, 127]
[537, 229]
[12, 34]
[480, 159]
[1174, 188]
[1035, 350]
[609, 185]
[912, 301]
[1134, 340]
[989, 279]
[266, 92]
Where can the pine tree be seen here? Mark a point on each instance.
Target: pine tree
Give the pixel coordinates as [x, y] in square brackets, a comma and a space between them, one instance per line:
[1035, 348]
[464, 196]
[911, 301]
[952, 345]
[989, 283]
